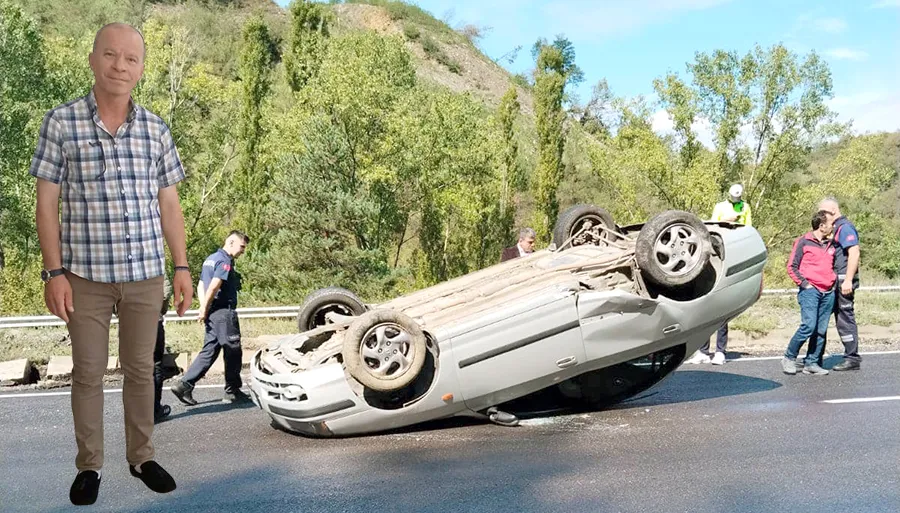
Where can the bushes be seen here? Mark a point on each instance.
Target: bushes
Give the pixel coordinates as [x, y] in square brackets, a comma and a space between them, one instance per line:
[21, 289]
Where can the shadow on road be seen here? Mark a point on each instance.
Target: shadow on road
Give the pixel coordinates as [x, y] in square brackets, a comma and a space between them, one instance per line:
[699, 385]
[209, 407]
[679, 387]
[372, 478]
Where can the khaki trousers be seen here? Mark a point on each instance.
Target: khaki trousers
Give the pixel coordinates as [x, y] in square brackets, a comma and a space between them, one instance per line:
[137, 305]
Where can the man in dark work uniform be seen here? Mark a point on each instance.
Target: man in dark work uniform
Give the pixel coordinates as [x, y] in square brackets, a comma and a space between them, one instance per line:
[218, 290]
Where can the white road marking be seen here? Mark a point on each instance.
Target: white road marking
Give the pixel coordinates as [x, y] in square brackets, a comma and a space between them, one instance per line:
[863, 400]
[764, 358]
[69, 392]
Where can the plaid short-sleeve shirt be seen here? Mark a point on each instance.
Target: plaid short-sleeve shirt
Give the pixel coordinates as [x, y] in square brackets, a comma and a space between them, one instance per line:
[110, 228]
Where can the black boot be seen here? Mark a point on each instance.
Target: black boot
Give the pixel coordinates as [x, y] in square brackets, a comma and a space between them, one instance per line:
[184, 393]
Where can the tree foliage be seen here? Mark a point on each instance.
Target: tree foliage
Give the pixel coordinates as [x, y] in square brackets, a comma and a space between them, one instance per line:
[255, 73]
[306, 43]
[550, 82]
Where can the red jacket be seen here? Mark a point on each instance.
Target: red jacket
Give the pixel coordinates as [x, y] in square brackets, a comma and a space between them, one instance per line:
[812, 263]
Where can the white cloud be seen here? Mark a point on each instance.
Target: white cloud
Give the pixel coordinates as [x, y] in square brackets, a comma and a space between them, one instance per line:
[598, 19]
[886, 3]
[661, 123]
[870, 111]
[831, 25]
[847, 54]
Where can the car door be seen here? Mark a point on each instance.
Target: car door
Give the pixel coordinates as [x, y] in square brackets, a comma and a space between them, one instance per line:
[520, 353]
[615, 323]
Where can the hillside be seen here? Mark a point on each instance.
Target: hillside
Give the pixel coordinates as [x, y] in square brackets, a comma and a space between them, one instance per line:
[474, 72]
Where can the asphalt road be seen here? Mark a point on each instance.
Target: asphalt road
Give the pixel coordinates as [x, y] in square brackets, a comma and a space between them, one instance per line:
[740, 438]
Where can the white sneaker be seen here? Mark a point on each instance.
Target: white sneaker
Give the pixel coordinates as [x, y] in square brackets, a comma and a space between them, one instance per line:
[718, 359]
[699, 357]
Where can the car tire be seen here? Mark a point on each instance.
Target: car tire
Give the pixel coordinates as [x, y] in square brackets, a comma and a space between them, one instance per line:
[384, 332]
[329, 299]
[572, 220]
[673, 248]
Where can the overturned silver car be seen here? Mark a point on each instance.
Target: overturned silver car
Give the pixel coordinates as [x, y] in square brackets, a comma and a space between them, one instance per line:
[603, 314]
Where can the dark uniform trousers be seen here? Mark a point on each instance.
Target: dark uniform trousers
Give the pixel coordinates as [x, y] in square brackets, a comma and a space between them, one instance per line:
[845, 320]
[158, 365]
[223, 332]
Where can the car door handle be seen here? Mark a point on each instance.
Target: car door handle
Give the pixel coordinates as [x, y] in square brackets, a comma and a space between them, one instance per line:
[566, 362]
[671, 329]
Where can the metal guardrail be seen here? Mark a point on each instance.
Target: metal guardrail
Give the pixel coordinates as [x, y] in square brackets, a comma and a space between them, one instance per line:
[272, 312]
[784, 292]
[44, 321]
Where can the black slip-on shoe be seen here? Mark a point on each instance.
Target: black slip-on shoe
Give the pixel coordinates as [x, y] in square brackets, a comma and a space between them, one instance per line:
[154, 476]
[85, 488]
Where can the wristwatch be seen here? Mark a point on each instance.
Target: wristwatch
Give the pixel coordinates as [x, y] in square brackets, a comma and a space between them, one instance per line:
[46, 275]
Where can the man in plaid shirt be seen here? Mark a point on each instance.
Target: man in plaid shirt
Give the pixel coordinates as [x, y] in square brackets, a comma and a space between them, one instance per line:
[115, 166]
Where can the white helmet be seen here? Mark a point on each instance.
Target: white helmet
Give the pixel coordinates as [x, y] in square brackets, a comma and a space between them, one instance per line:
[736, 191]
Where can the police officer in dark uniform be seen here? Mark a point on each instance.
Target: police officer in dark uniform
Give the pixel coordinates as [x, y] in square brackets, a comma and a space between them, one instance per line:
[218, 290]
[846, 265]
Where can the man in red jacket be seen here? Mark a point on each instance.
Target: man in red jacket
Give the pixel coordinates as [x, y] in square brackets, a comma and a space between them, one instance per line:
[811, 266]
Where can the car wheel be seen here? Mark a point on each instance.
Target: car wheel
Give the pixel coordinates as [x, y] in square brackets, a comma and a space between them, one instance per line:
[384, 350]
[589, 224]
[312, 313]
[673, 248]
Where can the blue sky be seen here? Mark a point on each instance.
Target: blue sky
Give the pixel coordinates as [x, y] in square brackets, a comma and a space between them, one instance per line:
[631, 42]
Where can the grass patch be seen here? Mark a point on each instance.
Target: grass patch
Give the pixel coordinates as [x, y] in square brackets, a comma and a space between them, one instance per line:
[39, 344]
[398, 10]
[777, 312]
[411, 31]
[434, 51]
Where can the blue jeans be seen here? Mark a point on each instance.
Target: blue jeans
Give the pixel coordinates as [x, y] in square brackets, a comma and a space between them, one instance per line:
[815, 309]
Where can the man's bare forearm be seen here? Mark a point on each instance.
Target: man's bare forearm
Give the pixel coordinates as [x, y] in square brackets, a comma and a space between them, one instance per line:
[201, 295]
[172, 220]
[213, 288]
[47, 219]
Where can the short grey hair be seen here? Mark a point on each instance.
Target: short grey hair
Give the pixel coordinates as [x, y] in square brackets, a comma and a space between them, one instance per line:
[525, 233]
[830, 199]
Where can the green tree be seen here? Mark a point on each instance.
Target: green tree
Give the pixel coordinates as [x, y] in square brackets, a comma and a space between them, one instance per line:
[768, 111]
[511, 176]
[315, 216]
[566, 58]
[23, 97]
[550, 82]
[255, 73]
[306, 43]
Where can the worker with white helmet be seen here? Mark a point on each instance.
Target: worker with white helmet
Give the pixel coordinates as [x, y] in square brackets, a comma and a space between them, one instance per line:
[733, 210]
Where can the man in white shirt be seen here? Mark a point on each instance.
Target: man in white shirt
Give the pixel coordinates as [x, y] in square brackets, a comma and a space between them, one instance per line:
[524, 247]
